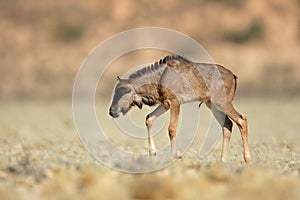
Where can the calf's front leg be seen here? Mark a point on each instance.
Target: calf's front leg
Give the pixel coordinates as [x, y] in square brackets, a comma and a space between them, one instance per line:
[149, 120]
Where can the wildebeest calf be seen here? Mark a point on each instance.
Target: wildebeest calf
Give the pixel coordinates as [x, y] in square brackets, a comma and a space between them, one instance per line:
[175, 80]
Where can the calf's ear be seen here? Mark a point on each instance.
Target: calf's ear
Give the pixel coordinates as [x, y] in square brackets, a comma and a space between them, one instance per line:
[126, 82]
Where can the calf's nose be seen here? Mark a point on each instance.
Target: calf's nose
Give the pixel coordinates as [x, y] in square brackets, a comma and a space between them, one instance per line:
[112, 112]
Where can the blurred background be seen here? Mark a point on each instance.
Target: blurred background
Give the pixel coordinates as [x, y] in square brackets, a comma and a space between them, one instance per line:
[43, 43]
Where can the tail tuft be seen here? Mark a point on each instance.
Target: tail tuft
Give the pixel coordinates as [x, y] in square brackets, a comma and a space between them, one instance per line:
[235, 82]
[235, 86]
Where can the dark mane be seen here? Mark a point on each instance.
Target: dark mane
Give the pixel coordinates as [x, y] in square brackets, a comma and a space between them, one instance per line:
[155, 66]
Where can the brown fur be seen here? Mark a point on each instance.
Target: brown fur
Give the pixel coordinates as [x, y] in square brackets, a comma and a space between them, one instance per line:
[176, 80]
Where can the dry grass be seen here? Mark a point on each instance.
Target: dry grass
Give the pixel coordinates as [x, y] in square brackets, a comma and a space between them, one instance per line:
[42, 158]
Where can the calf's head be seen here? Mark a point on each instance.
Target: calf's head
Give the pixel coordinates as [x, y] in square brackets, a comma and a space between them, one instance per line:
[124, 98]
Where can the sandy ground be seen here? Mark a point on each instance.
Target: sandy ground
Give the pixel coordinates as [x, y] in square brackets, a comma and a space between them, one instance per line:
[42, 158]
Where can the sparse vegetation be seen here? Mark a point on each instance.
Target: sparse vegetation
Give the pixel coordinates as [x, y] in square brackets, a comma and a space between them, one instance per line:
[240, 36]
[232, 3]
[69, 31]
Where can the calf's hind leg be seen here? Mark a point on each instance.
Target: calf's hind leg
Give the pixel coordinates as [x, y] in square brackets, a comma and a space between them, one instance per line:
[226, 124]
[174, 115]
[241, 121]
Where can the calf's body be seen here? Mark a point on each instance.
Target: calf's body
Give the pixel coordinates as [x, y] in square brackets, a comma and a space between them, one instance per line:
[173, 81]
